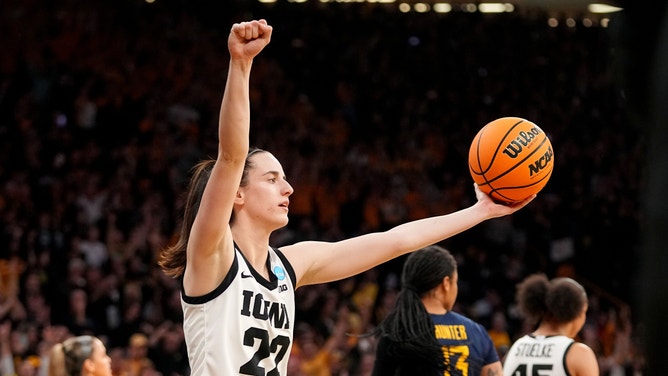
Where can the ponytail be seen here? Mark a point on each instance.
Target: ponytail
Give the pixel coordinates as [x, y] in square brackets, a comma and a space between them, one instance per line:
[57, 361]
[410, 330]
[67, 358]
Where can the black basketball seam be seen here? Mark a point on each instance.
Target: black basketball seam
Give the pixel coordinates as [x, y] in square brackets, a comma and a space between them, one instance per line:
[491, 162]
[477, 151]
[496, 151]
[496, 190]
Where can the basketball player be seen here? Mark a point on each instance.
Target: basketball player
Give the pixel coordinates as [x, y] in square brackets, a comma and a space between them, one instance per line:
[79, 356]
[237, 291]
[422, 335]
[559, 307]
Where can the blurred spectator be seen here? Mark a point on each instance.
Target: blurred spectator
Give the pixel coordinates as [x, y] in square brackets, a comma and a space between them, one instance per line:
[167, 350]
[79, 322]
[498, 332]
[91, 247]
[136, 361]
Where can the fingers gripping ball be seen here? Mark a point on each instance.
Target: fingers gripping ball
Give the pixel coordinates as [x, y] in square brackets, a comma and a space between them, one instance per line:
[511, 159]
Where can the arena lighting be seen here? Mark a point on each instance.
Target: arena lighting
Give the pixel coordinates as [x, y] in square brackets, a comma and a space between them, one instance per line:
[603, 8]
[347, 1]
[421, 7]
[404, 8]
[442, 7]
[468, 7]
[267, 1]
[491, 8]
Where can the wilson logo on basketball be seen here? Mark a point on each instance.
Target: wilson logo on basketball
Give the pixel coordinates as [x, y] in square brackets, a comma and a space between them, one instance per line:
[541, 163]
[515, 147]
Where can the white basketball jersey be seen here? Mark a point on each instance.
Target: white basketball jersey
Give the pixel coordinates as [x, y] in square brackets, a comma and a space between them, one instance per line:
[537, 355]
[244, 326]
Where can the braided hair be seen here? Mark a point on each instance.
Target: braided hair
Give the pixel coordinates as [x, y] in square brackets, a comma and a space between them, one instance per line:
[408, 327]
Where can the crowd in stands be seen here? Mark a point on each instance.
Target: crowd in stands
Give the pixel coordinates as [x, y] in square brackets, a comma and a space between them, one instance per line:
[105, 106]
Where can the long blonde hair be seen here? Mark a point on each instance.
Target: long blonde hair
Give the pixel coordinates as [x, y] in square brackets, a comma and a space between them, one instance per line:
[67, 358]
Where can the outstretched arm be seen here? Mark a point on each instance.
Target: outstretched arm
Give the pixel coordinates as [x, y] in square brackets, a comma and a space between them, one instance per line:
[319, 262]
[210, 247]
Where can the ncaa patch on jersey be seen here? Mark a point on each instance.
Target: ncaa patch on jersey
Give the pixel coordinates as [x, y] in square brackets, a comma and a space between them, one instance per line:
[279, 272]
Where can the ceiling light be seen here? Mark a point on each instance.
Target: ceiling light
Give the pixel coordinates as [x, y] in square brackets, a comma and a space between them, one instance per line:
[404, 7]
[491, 8]
[603, 8]
[421, 7]
[442, 7]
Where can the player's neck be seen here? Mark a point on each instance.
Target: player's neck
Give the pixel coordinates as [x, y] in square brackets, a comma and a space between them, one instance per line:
[251, 240]
[251, 232]
[253, 248]
[552, 329]
[433, 305]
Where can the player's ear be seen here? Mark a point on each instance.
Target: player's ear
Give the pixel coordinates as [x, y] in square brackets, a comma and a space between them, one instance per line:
[446, 283]
[88, 366]
[239, 197]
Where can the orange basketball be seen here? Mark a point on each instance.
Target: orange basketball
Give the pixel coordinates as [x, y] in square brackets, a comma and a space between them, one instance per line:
[511, 159]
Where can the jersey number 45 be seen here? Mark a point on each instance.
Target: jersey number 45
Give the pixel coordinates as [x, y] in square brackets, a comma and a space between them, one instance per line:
[532, 370]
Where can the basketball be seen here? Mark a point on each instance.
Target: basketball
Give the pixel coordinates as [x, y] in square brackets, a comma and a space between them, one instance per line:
[511, 159]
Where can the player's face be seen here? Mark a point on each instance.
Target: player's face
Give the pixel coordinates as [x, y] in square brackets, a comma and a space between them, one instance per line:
[267, 192]
[99, 362]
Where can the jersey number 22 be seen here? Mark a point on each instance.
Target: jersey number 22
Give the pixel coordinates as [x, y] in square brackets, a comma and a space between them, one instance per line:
[277, 346]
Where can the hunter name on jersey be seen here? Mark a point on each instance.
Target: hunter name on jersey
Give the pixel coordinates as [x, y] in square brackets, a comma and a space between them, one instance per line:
[456, 332]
